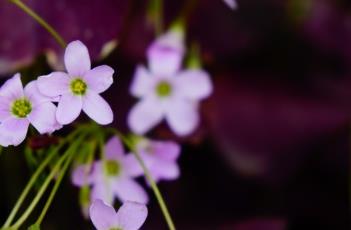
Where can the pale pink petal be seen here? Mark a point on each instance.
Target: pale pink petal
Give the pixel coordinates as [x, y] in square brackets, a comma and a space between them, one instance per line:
[5, 112]
[126, 189]
[194, 84]
[167, 150]
[114, 149]
[143, 82]
[77, 60]
[81, 176]
[12, 88]
[102, 215]
[145, 115]
[97, 108]
[54, 84]
[182, 117]
[165, 170]
[31, 92]
[43, 118]
[100, 78]
[131, 216]
[13, 131]
[69, 108]
[102, 191]
[131, 166]
[232, 4]
[165, 55]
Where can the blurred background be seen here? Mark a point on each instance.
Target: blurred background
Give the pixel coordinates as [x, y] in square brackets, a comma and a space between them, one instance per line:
[272, 152]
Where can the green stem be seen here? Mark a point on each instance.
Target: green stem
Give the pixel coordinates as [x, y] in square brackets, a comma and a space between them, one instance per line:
[149, 178]
[46, 183]
[34, 178]
[156, 13]
[54, 190]
[41, 21]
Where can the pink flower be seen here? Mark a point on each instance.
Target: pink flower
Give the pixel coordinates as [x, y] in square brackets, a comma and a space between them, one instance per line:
[160, 158]
[20, 107]
[130, 216]
[165, 91]
[80, 88]
[232, 4]
[111, 177]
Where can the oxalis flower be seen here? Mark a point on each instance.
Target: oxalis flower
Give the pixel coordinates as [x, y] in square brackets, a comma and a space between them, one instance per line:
[165, 91]
[130, 216]
[112, 177]
[160, 158]
[20, 107]
[80, 88]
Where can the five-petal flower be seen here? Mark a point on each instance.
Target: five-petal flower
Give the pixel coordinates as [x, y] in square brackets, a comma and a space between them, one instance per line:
[130, 216]
[112, 176]
[80, 88]
[166, 91]
[20, 107]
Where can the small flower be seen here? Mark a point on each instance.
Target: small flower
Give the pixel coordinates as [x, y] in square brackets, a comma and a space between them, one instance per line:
[160, 158]
[130, 216]
[166, 91]
[232, 4]
[111, 177]
[80, 88]
[20, 107]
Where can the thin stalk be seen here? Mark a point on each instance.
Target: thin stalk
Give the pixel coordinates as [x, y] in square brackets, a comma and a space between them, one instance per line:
[41, 21]
[149, 178]
[46, 183]
[34, 178]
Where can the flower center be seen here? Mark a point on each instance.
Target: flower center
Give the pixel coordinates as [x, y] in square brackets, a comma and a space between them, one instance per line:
[116, 229]
[163, 89]
[21, 107]
[78, 86]
[112, 168]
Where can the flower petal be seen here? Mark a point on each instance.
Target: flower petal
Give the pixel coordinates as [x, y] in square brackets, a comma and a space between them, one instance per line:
[194, 84]
[102, 215]
[80, 176]
[12, 88]
[143, 82]
[114, 149]
[131, 215]
[13, 131]
[131, 166]
[182, 117]
[165, 55]
[5, 104]
[53, 84]
[43, 118]
[126, 189]
[97, 108]
[77, 60]
[32, 92]
[69, 108]
[232, 4]
[102, 191]
[145, 115]
[100, 78]
[165, 170]
[166, 150]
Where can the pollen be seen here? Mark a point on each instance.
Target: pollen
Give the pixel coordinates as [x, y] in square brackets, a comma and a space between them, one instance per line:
[78, 87]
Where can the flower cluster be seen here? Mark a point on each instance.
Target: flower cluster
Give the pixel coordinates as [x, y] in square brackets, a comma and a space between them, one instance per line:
[34, 104]
[165, 90]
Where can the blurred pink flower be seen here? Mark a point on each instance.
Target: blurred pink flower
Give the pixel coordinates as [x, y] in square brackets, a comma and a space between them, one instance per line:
[160, 158]
[130, 216]
[80, 88]
[231, 3]
[20, 107]
[111, 177]
[166, 91]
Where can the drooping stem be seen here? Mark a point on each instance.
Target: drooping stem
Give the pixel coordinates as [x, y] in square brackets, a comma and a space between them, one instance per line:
[41, 21]
[70, 151]
[149, 178]
[34, 178]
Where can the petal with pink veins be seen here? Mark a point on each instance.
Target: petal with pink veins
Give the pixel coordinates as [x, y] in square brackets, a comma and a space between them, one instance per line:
[13, 131]
[54, 84]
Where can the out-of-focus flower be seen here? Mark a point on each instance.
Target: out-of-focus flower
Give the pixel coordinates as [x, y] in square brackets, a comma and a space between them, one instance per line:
[112, 176]
[80, 88]
[20, 107]
[231, 3]
[166, 91]
[130, 216]
[160, 158]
